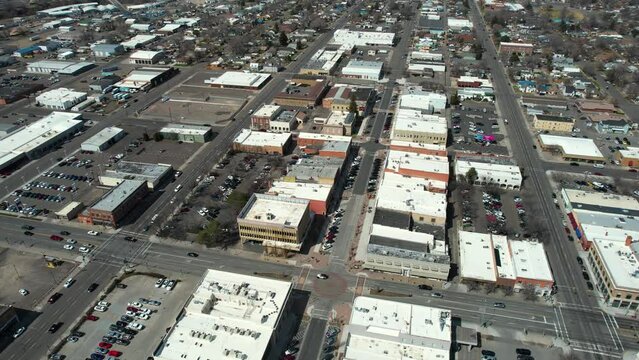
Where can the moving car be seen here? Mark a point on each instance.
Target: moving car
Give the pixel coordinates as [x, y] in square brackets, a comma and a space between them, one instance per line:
[499, 305]
[192, 254]
[54, 327]
[437, 295]
[93, 233]
[19, 332]
[424, 287]
[92, 287]
[69, 282]
[54, 298]
[23, 292]
[322, 276]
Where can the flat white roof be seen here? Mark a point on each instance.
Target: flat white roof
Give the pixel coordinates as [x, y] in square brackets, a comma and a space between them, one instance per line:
[103, 136]
[275, 210]
[345, 36]
[487, 169]
[267, 110]
[59, 95]
[412, 200]
[530, 260]
[230, 316]
[145, 54]
[248, 137]
[37, 133]
[515, 44]
[418, 146]
[170, 27]
[387, 330]
[597, 231]
[398, 160]
[483, 82]
[241, 79]
[138, 40]
[422, 101]
[118, 194]
[602, 200]
[398, 180]
[620, 261]
[402, 234]
[185, 129]
[415, 121]
[476, 256]
[630, 152]
[503, 257]
[573, 146]
[364, 65]
[309, 191]
[324, 137]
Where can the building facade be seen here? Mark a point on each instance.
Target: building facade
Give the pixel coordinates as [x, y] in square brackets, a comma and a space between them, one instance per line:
[553, 123]
[115, 204]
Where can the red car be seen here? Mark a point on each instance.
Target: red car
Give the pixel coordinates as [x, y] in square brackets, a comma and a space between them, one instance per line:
[92, 317]
[56, 237]
[114, 353]
[131, 308]
[633, 170]
[105, 345]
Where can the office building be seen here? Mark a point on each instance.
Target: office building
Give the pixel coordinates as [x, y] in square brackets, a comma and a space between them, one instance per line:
[363, 70]
[103, 139]
[319, 195]
[262, 142]
[553, 123]
[116, 204]
[417, 165]
[60, 98]
[302, 95]
[414, 126]
[262, 117]
[316, 170]
[151, 174]
[490, 170]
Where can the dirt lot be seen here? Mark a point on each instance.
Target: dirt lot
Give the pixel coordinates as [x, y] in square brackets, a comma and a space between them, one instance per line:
[29, 271]
[161, 318]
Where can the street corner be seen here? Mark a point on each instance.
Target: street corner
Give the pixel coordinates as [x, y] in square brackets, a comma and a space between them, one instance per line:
[332, 287]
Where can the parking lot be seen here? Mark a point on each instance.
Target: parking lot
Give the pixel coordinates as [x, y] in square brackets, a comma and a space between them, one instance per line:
[505, 349]
[477, 128]
[161, 304]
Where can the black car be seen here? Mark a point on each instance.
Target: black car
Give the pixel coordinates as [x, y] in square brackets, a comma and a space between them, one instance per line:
[122, 342]
[589, 285]
[65, 233]
[574, 164]
[425, 287]
[27, 227]
[28, 233]
[522, 351]
[92, 287]
[130, 238]
[54, 298]
[192, 254]
[53, 328]
[580, 261]
[114, 327]
[121, 323]
[130, 331]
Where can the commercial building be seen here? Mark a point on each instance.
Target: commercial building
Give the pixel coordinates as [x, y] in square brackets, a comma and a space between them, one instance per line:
[60, 98]
[628, 157]
[620, 126]
[316, 170]
[388, 330]
[520, 48]
[339, 98]
[323, 62]
[363, 38]
[144, 78]
[103, 140]
[415, 201]
[187, 133]
[459, 24]
[170, 28]
[104, 82]
[417, 165]
[473, 82]
[70, 211]
[145, 57]
[324, 144]
[262, 117]
[426, 102]
[572, 148]
[553, 123]
[615, 269]
[59, 67]
[318, 195]
[138, 41]
[107, 50]
[14, 93]
[407, 253]
[364, 70]
[302, 95]
[230, 316]
[338, 123]
[240, 80]
[490, 170]
[39, 137]
[589, 106]
[412, 125]
[286, 121]
[419, 148]
[279, 223]
[262, 142]
[494, 259]
[152, 174]
[115, 204]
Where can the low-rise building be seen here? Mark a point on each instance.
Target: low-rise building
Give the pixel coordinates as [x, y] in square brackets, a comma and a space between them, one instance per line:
[417, 165]
[138, 41]
[103, 139]
[490, 170]
[239, 80]
[426, 102]
[493, 259]
[413, 125]
[144, 78]
[323, 62]
[407, 253]
[262, 117]
[421, 205]
[364, 70]
[262, 142]
[187, 133]
[14, 93]
[104, 83]
[520, 48]
[285, 122]
[324, 144]
[339, 98]
[572, 148]
[553, 123]
[316, 170]
[115, 204]
[107, 50]
[318, 195]
[338, 123]
[620, 126]
[362, 38]
[628, 157]
[59, 67]
[595, 106]
[459, 24]
[419, 148]
[388, 330]
[280, 224]
[152, 174]
[230, 315]
[145, 57]
[302, 95]
[60, 98]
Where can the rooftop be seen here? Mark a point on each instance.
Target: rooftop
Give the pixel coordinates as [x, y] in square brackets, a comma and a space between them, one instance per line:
[186, 129]
[117, 195]
[414, 182]
[411, 200]
[248, 137]
[229, 316]
[621, 262]
[267, 110]
[241, 79]
[274, 210]
[489, 165]
[503, 258]
[103, 136]
[323, 137]
[309, 191]
[314, 169]
[141, 169]
[530, 260]
[145, 54]
[304, 91]
[630, 152]
[59, 95]
[573, 146]
[346, 36]
[424, 101]
[415, 121]
[383, 329]
[477, 256]
[555, 118]
[402, 243]
[602, 202]
[402, 160]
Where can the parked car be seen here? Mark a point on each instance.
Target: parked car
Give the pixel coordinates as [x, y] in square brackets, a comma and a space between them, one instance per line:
[93, 233]
[54, 327]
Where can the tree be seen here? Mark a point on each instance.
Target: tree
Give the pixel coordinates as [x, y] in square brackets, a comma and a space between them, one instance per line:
[352, 107]
[529, 293]
[158, 136]
[514, 58]
[146, 136]
[283, 39]
[454, 99]
[299, 45]
[471, 175]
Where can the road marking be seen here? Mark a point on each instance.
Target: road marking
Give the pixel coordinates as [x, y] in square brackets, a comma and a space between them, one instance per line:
[563, 321]
[301, 280]
[614, 334]
[609, 330]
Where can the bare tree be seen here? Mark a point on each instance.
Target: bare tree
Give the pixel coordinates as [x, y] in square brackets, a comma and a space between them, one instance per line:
[529, 293]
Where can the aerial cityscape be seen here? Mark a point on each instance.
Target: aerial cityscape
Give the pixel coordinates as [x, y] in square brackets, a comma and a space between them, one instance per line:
[318, 180]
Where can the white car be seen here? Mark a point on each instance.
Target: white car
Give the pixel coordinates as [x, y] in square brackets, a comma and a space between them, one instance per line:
[93, 233]
[69, 282]
[68, 247]
[100, 308]
[104, 303]
[135, 326]
[19, 332]
[130, 313]
[71, 241]
[177, 188]
[159, 282]
[23, 292]
[84, 249]
[146, 311]
[135, 305]
[322, 276]
[142, 316]
[170, 285]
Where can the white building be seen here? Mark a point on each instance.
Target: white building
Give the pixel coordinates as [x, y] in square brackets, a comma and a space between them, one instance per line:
[459, 24]
[229, 316]
[423, 101]
[363, 38]
[390, 330]
[144, 57]
[365, 70]
[421, 205]
[572, 148]
[491, 171]
[60, 98]
[239, 80]
[58, 67]
[103, 140]
[413, 125]
[138, 41]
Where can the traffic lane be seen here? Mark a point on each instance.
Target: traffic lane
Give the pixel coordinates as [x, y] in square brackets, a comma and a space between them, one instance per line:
[313, 339]
[613, 172]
